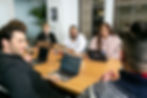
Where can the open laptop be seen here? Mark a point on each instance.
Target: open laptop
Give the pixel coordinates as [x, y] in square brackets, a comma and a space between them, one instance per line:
[70, 67]
[42, 55]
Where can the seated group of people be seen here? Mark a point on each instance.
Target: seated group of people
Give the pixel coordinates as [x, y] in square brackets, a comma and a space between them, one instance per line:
[19, 80]
[105, 40]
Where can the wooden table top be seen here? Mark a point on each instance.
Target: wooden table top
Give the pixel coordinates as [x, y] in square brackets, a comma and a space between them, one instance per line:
[90, 73]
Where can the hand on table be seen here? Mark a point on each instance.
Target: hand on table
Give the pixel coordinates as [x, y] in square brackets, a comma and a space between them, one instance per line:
[28, 58]
[109, 76]
[53, 78]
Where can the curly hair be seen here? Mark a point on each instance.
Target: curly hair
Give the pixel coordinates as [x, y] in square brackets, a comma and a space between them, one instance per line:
[7, 31]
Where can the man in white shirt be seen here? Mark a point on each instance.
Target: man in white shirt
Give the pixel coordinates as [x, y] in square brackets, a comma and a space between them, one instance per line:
[76, 41]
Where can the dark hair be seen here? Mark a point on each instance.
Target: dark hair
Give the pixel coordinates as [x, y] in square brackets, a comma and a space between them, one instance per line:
[135, 46]
[137, 32]
[7, 31]
[99, 33]
[105, 25]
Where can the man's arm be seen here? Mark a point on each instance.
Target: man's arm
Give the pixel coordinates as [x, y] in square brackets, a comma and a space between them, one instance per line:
[19, 83]
[82, 44]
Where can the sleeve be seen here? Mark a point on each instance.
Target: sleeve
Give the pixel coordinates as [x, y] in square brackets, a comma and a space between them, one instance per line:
[93, 44]
[96, 91]
[117, 48]
[82, 46]
[44, 87]
[65, 43]
[19, 84]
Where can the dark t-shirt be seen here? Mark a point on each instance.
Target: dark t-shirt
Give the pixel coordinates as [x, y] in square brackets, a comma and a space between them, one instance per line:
[21, 81]
[51, 37]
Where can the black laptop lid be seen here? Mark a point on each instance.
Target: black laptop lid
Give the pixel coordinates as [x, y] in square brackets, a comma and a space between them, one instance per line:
[43, 54]
[97, 55]
[70, 64]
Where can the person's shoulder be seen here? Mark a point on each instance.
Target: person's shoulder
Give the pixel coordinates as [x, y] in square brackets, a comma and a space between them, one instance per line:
[7, 59]
[103, 90]
[67, 40]
[11, 62]
[103, 85]
[81, 37]
[14, 62]
[94, 38]
[8, 64]
[107, 89]
[115, 38]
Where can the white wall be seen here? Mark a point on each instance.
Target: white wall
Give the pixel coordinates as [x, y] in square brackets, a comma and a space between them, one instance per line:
[109, 11]
[20, 9]
[68, 15]
[22, 12]
[6, 11]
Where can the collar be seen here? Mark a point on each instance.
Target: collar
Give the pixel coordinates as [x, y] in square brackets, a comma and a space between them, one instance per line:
[10, 55]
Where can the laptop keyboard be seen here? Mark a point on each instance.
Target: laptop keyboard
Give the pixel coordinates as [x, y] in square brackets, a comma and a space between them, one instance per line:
[62, 76]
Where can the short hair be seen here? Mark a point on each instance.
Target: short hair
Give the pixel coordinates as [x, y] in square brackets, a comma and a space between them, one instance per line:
[73, 27]
[7, 31]
[135, 46]
[45, 24]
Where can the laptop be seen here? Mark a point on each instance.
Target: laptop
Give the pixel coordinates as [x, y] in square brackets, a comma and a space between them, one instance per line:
[42, 55]
[97, 55]
[70, 67]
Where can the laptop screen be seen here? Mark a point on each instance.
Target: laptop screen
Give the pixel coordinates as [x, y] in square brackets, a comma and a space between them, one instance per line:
[70, 64]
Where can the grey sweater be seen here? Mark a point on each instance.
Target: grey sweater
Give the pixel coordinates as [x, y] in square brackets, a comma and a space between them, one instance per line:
[129, 86]
[104, 90]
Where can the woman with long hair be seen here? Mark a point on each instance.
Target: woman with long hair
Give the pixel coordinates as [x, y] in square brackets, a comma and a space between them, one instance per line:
[106, 41]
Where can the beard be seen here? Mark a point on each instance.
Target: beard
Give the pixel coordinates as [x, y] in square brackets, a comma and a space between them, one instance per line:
[73, 37]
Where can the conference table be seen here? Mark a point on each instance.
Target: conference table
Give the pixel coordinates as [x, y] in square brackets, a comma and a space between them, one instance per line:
[91, 71]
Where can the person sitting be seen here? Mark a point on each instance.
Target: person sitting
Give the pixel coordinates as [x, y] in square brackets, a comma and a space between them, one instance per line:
[76, 41]
[46, 35]
[16, 75]
[106, 42]
[133, 78]
[45, 41]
